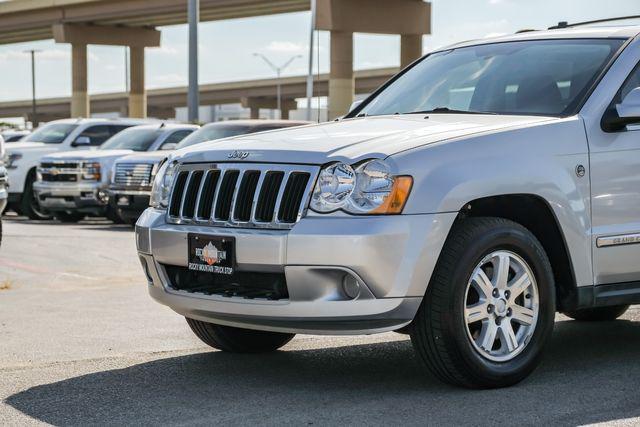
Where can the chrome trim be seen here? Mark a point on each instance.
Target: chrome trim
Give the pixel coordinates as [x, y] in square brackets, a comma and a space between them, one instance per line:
[618, 240]
[242, 168]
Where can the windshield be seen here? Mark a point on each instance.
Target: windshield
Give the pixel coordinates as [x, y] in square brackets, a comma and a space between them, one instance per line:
[541, 77]
[136, 139]
[211, 132]
[53, 133]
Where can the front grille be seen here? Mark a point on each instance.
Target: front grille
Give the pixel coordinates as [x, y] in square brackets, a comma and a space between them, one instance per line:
[60, 171]
[133, 174]
[60, 165]
[65, 177]
[241, 284]
[241, 195]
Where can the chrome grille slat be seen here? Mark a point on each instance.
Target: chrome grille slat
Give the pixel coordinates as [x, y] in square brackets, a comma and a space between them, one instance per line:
[226, 194]
[215, 196]
[283, 185]
[184, 194]
[232, 208]
[254, 203]
[205, 175]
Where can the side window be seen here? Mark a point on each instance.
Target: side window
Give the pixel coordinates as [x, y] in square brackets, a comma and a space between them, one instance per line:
[96, 134]
[176, 137]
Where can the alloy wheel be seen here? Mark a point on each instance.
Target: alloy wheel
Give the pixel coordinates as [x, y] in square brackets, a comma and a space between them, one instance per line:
[501, 306]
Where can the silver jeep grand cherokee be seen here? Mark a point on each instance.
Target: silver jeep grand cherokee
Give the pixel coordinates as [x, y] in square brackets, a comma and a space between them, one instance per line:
[480, 191]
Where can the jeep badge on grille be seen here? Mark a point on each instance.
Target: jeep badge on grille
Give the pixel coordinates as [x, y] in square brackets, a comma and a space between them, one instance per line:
[240, 155]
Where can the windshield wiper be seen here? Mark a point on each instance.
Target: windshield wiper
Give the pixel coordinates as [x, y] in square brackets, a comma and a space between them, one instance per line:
[447, 110]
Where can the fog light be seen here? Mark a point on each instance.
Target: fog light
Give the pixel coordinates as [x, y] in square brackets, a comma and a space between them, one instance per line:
[103, 197]
[351, 286]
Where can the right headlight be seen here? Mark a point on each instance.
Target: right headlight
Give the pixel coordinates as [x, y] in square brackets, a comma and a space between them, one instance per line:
[162, 183]
[369, 189]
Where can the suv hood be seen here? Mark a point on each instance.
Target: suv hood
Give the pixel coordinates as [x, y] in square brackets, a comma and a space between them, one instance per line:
[18, 146]
[88, 155]
[150, 157]
[356, 139]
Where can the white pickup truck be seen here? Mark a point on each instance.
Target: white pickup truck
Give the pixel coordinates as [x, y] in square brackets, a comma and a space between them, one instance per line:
[22, 157]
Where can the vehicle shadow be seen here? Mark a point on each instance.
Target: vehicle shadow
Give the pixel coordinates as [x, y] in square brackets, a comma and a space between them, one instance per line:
[590, 374]
[89, 223]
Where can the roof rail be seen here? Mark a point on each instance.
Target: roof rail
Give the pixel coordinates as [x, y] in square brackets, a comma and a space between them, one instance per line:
[565, 24]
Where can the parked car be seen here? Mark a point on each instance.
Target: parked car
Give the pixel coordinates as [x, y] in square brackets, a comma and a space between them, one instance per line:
[73, 184]
[4, 185]
[132, 176]
[481, 190]
[14, 135]
[23, 157]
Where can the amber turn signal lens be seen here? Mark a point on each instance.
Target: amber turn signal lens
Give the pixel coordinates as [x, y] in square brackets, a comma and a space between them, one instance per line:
[394, 203]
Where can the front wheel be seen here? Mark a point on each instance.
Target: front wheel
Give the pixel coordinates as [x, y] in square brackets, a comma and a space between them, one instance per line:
[237, 340]
[598, 314]
[489, 309]
[29, 205]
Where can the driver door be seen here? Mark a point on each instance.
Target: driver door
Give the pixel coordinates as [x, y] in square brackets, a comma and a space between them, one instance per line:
[615, 198]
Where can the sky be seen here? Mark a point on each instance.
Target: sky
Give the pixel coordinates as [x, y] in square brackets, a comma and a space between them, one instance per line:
[226, 47]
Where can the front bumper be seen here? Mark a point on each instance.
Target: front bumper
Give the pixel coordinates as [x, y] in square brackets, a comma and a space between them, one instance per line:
[129, 203]
[391, 257]
[81, 197]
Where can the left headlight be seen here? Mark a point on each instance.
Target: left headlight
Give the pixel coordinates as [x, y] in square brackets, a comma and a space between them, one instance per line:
[367, 189]
[162, 183]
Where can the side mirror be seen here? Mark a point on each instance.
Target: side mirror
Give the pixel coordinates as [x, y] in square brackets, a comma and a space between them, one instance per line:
[625, 113]
[169, 146]
[81, 141]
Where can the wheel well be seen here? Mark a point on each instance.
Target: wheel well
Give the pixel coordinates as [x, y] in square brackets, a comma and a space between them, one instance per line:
[533, 213]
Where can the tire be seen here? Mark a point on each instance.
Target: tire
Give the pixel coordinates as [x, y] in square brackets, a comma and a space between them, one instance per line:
[69, 217]
[598, 314]
[237, 340]
[113, 215]
[29, 205]
[440, 333]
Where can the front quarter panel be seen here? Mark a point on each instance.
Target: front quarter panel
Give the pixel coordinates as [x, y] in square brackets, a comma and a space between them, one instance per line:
[540, 160]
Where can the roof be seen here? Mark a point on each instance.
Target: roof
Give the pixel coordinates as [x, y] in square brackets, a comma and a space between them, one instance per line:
[581, 32]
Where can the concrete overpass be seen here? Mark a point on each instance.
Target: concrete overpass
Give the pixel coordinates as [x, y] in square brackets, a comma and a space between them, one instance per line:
[133, 23]
[252, 94]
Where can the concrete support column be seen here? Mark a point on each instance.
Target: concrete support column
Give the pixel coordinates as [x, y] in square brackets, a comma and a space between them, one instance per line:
[341, 80]
[255, 112]
[137, 92]
[410, 48]
[79, 93]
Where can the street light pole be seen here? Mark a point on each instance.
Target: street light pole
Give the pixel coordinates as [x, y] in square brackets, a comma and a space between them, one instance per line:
[193, 103]
[311, 51]
[278, 71]
[34, 111]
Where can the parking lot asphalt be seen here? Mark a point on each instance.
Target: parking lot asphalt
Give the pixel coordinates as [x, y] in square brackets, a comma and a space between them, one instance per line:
[82, 343]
